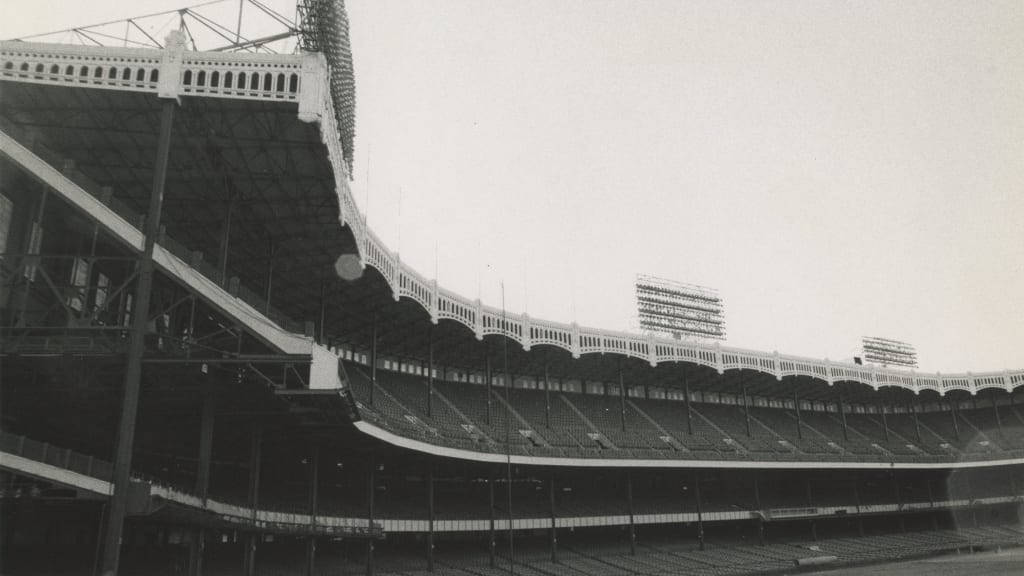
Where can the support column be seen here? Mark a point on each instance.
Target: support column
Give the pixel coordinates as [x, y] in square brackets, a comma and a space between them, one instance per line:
[551, 514]
[622, 399]
[370, 491]
[489, 375]
[799, 420]
[629, 507]
[885, 423]
[430, 371]
[689, 413]
[956, 421]
[547, 395]
[810, 502]
[314, 507]
[255, 466]
[931, 504]
[373, 359]
[856, 498]
[842, 414]
[995, 409]
[899, 499]
[746, 409]
[225, 239]
[321, 334]
[31, 246]
[970, 499]
[760, 509]
[271, 252]
[136, 346]
[490, 497]
[430, 517]
[700, 508]
[917, 424]
[198, 545]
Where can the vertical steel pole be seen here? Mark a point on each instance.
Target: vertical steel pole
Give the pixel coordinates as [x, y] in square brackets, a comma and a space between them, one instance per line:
[198, 546]
[371, 490]
[746, 408]
[995, 409]
[488, 376]
[700, 508]
[490, 508]
[373, 359]
[799, 420]
[760, 510]
[430, 371]
[917, 424]
[956, 423]
[629, 506]
[136, 347]
[622, 399]
[689, 413]
[551, 514]
[255, 467]
[842, 414]
[547, 395]
[885, 423]
[430, 517]
[810, 502]
[314, 507]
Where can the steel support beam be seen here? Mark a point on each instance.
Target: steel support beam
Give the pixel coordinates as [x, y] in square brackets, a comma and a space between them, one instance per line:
[856, 499]
[430, 517]
[746, 408]
[430, 372]
[373, 359]
[198, 545]
[956, 421]
[314, 507]
[799, 419]
[553, 533]
[370, 491]
[760, 510]
[917, 424]
[842, 416]
[622, 399]
[136, 346]
[689, 412]
[898, 493]
[700, 508]
[490, 501]
[995, 409]
[488, 375]
[810, 503]
[255, 467]
[629, 507]
[547, 395]
[885, 423]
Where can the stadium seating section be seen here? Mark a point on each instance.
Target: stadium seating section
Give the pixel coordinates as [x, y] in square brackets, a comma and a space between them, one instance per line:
[575, 425]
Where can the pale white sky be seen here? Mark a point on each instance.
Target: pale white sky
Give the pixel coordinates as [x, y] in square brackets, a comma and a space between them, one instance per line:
[835, 169]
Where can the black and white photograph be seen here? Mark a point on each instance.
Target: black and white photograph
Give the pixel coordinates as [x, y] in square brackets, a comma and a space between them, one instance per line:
[522, 287]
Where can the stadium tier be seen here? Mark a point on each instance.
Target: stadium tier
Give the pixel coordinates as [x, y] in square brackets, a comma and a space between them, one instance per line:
[211, 364]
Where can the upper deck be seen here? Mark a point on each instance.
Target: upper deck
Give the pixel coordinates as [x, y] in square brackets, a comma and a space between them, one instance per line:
[228, 87]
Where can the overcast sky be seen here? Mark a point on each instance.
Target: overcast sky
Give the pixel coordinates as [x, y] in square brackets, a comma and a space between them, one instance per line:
[834, 169]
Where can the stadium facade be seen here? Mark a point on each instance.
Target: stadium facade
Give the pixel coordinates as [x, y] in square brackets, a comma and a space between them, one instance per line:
[211, 364]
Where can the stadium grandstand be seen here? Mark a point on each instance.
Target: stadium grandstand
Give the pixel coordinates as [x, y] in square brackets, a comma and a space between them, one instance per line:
[211, 365]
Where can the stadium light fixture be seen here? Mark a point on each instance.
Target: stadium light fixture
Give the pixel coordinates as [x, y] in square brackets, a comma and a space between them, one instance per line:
[679, 310]
[887, 352]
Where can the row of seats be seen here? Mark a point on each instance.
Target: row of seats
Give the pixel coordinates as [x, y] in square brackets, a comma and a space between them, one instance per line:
[532, 422]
